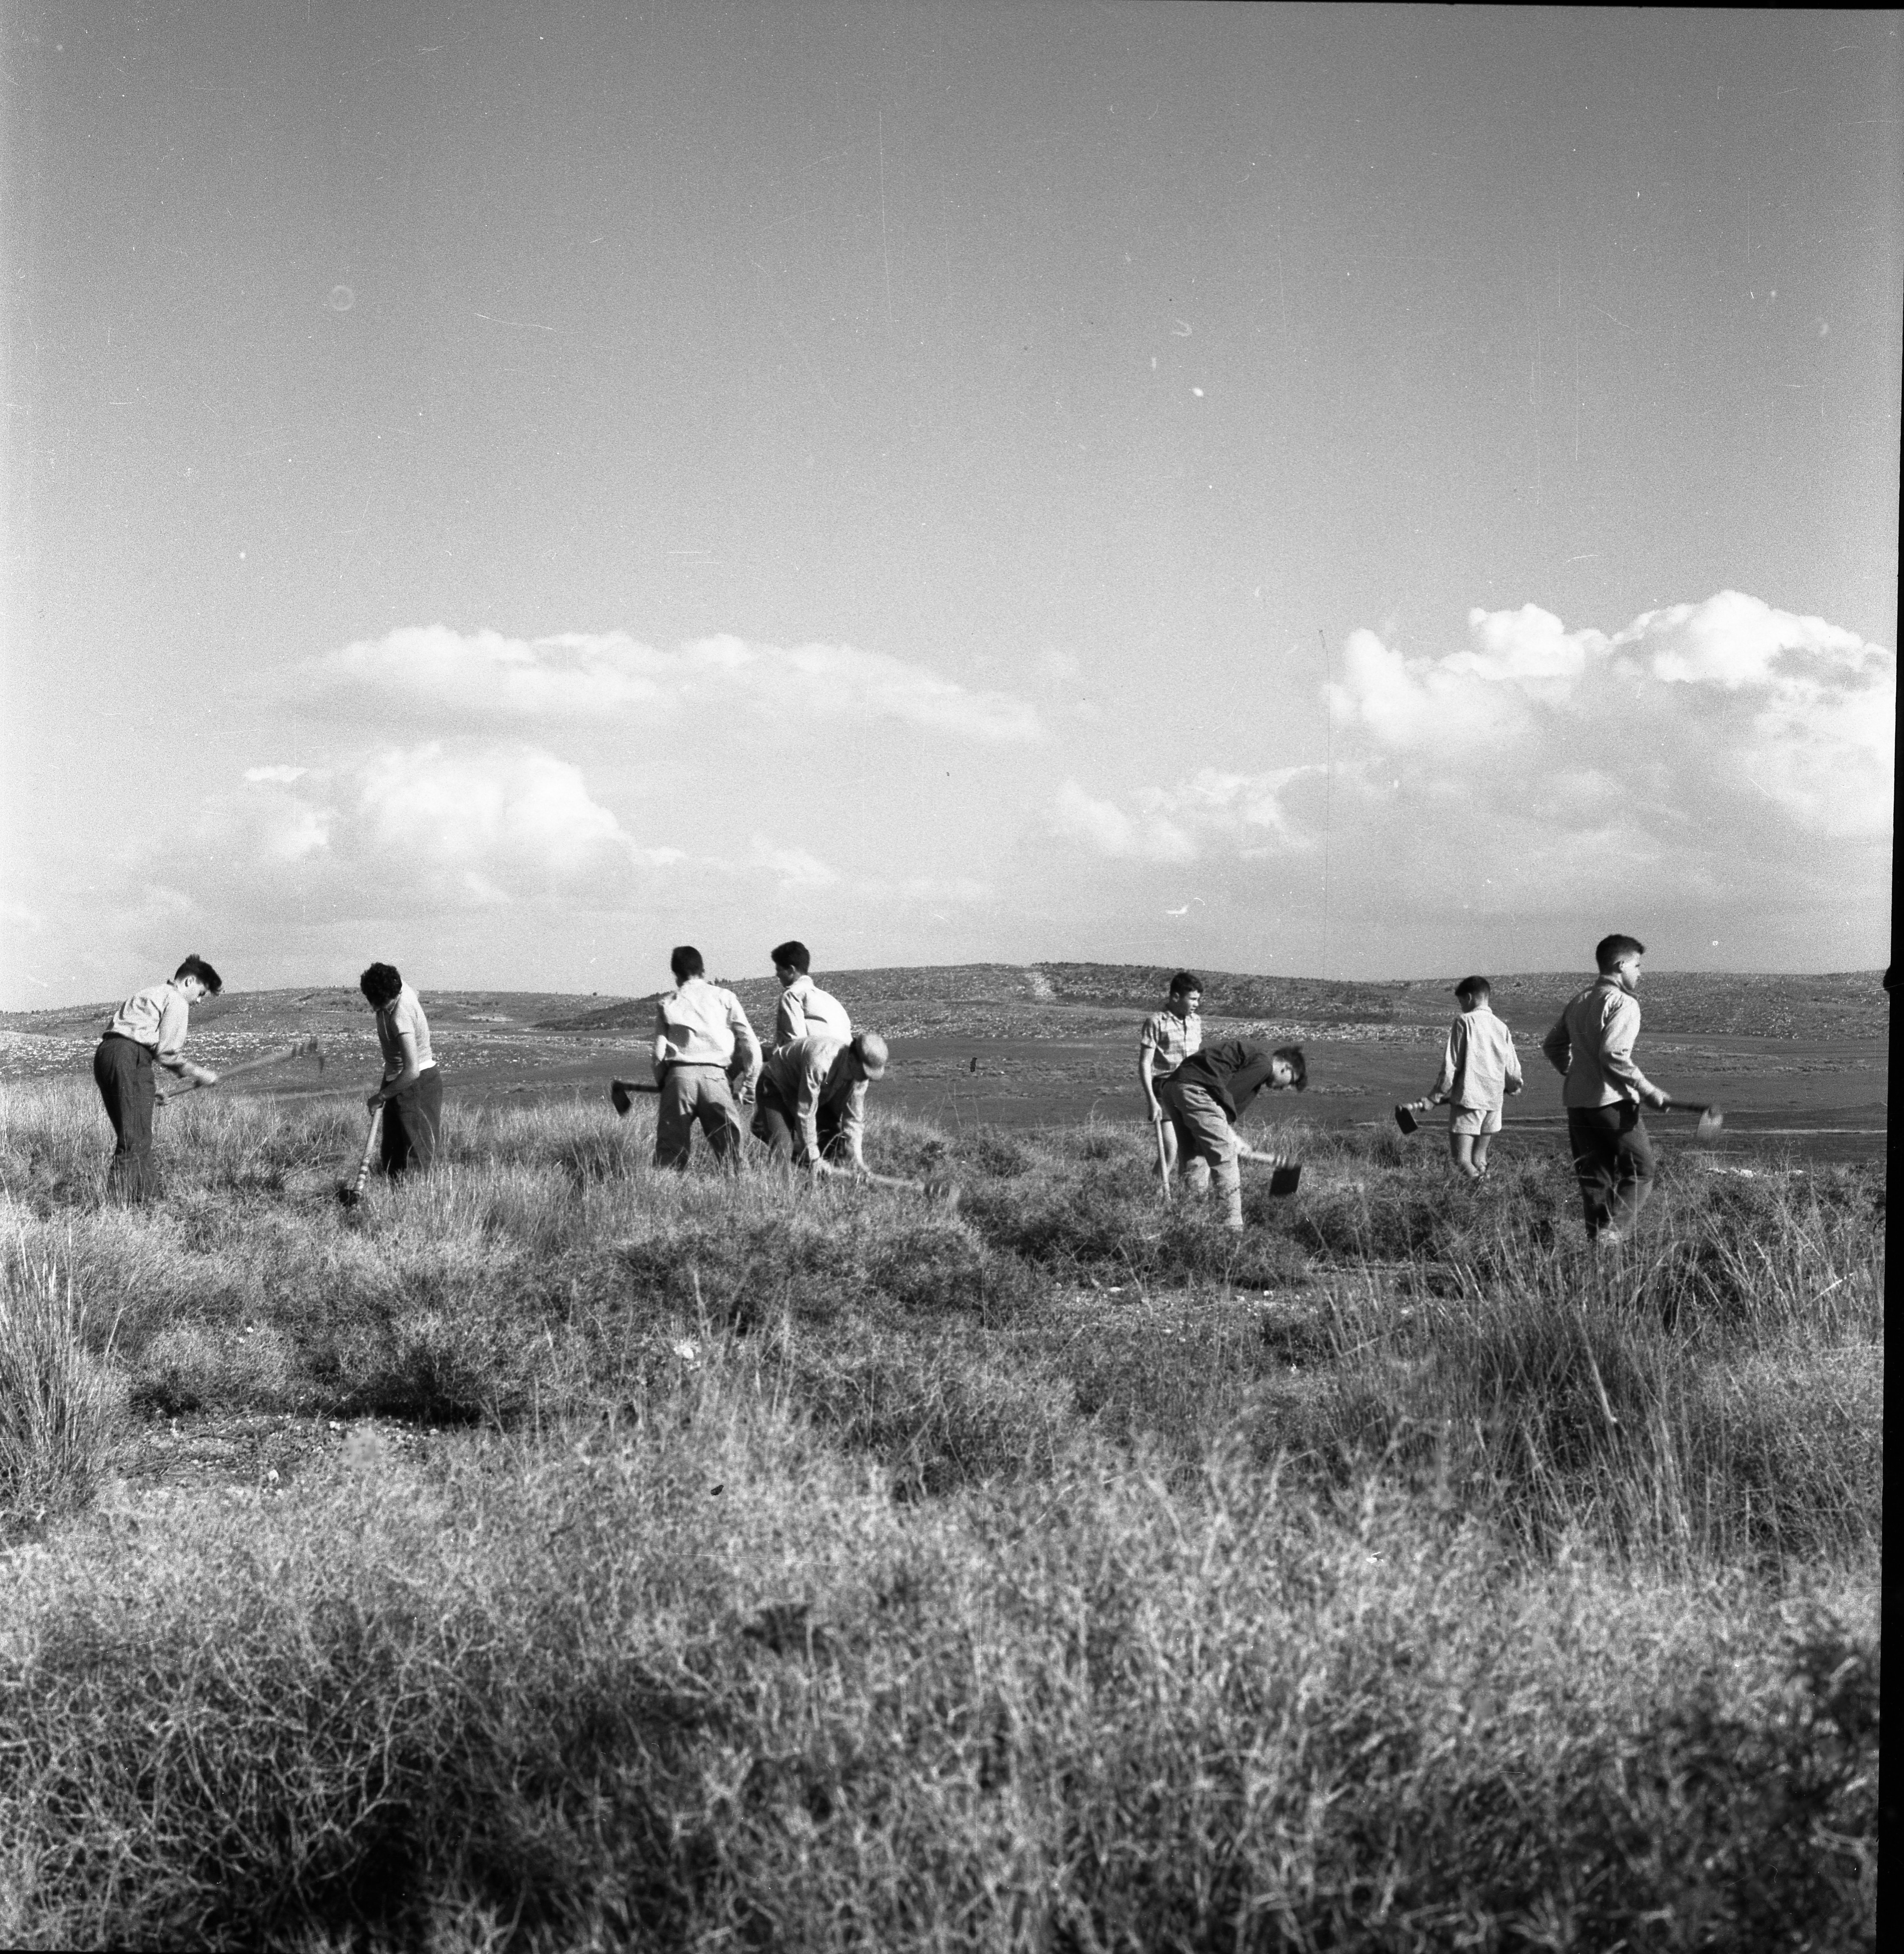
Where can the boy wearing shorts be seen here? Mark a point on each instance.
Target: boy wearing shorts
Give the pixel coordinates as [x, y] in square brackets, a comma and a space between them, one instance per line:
[1478, 1067]
[1168, 1038]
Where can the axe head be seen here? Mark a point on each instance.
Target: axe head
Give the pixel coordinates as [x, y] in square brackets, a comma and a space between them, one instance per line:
[1406, 1119]
[348, 1196]
[1286, 1179]
[1711, 1121]
[619, 1097]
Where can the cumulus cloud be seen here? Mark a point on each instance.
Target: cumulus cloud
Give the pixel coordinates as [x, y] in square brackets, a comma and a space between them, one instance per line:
[795, 868]
[426, 826]
[1683, 713]
[434, 674]
[1705, 751]
[1722, 753]
[1239, 815]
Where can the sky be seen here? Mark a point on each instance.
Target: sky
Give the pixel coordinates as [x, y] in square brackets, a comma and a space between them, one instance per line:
[505, 490]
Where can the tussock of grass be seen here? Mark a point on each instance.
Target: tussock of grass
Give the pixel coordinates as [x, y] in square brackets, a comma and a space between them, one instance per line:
[809, 1567]
[60, 1403]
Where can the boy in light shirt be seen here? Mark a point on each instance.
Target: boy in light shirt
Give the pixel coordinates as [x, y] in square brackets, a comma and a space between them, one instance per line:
[1168, 1038]
[1479, 1066]
[410, 1092]
[704, 1052]
[804, 1011]
[148, 1029]
[1591, 1047]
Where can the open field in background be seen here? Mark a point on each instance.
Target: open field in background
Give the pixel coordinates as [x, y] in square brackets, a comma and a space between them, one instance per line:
[555, 1553]
[1799, 1063]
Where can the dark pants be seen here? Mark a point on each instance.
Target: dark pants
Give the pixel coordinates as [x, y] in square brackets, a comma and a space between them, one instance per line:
[777, 1125]
[1613, 1160]
[122, 1071]
[412, 1120]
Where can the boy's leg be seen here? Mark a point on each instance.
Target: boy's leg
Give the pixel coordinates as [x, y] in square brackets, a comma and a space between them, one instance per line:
[1633, 1167]
[1167, 1127]
[122, 1071]
[773, 1123]
[415, 1114]
[1464, 1125]
[1490, 1124]
[674, 1118]
[1593, 1133]
[1209, 1143]
[1179, 1144]
[720, 1117]
[392, 1144]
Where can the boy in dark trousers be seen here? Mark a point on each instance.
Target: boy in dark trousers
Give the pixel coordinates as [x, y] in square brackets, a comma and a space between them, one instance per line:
[1591, 1047]
[148, 1029]
[411, 1090]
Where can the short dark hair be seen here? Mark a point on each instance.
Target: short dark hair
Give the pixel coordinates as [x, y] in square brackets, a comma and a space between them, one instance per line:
[1474, 987]
[1609, 949]
[685, 961]
[1185, 981]
[1298, 1065]
[794, 952]
[381, 983]
[195, 965]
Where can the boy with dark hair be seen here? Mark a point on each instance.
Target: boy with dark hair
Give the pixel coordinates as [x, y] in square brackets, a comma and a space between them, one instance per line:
[1591, 1047]
[812, 1104]
[411, 1090]
[148, 1029]
[1479, 1066]
[705, 1051]
[1207, 1094]
[804, 1011]
[1167, 1038]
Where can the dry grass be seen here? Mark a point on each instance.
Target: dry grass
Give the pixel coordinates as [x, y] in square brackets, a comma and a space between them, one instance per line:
[797, 1568]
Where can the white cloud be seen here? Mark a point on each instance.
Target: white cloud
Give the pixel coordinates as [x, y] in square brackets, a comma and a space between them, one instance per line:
[430, 674]
[427, 828]
[1103, 826]
[1240, 814]
[1720, 754]
[796, 867]
[1715, 751]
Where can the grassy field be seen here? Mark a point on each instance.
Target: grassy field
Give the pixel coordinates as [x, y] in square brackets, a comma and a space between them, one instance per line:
[553, 1554]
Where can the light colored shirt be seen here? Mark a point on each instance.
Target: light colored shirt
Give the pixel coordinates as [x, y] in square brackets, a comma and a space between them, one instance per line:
[1479, 1066]
[703, 1024]
[404, 1012]
[1172, 1039]
[157, 1018]
[807, 1011]
[1592, 1043]
[814, 1072]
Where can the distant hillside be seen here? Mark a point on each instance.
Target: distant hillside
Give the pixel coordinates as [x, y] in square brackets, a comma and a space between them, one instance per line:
[1053, 999]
